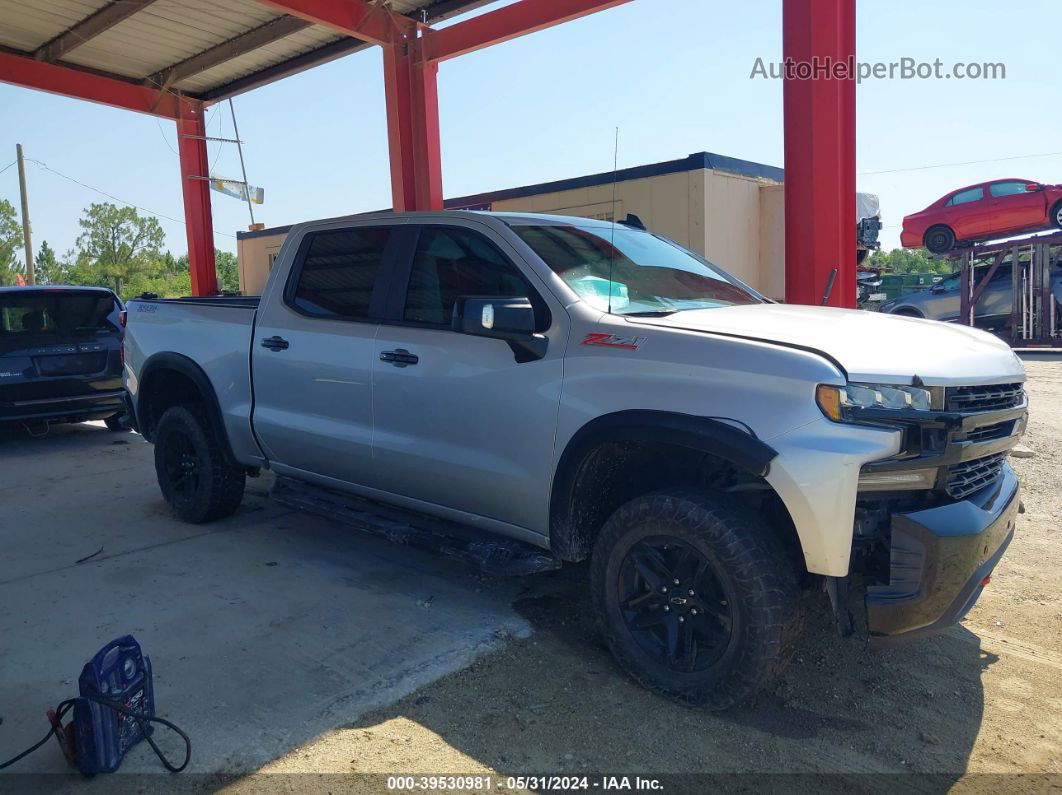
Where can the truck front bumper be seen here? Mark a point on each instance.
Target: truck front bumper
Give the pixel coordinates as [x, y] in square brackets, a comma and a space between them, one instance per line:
[940, 560]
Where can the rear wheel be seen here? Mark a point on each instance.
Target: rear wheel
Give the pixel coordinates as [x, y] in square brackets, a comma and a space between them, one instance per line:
[939, 239]
[697, 599]
[192, 472]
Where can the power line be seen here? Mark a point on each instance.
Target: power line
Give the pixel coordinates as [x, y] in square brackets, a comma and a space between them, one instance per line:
[115, 198]
[966, 163]
[5, 168]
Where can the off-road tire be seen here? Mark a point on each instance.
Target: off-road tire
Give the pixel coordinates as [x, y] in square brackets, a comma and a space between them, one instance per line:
[748, 560]
[939, 239]
[217, 489]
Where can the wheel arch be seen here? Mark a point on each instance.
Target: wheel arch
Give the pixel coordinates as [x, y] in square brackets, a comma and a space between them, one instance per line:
[169, 379]
[619, 456]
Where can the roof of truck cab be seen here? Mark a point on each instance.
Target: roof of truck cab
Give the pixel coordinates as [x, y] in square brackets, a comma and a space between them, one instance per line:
[510, 218]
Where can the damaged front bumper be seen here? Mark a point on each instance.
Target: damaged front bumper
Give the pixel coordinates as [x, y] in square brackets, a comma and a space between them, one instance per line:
[940, 558]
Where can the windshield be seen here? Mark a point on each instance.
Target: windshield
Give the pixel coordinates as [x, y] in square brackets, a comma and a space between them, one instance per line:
[643, 273]
[55, 314]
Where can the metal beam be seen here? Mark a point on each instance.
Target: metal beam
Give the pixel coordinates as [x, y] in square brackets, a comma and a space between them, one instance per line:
[21, 69]
[90, 27]
[820, 133]
[444, 9]
[372, 23]
[198, 219]
[239, 45]
[508, 22]
[411, 91]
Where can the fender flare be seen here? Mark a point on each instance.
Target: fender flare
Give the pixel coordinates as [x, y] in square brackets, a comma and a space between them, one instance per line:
[179, 363]
[714, 435]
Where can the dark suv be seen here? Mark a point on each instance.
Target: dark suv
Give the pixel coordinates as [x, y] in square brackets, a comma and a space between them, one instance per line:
[60, 355]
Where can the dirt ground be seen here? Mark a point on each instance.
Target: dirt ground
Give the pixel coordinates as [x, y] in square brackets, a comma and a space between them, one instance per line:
[986, 698]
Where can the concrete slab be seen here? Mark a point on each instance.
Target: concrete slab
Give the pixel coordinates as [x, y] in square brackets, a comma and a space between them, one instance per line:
[264, 629]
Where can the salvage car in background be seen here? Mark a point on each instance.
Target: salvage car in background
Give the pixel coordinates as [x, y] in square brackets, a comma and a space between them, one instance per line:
[986, 211]
[942, 300]
[60, 356]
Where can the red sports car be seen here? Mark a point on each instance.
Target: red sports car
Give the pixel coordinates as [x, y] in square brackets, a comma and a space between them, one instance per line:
[986, 211]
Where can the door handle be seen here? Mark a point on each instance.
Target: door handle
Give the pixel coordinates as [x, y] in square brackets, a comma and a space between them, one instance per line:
[275, 343]
[399, 357]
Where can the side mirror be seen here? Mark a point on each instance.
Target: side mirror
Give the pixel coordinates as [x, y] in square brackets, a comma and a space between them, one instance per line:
[937, 288]
[1033, 186]
[509, 319]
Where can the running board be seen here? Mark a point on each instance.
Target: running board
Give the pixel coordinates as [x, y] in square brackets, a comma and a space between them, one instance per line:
[491, 553]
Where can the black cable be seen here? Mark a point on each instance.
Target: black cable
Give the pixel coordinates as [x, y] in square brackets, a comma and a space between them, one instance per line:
[60, 711]
[120, 708]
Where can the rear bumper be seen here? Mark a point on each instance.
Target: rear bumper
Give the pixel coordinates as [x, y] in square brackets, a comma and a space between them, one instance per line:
[76, 408]
[910, 239]
[939, 560]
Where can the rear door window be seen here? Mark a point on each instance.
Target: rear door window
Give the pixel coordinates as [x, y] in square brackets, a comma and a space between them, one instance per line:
[338, 272]
[966, 197]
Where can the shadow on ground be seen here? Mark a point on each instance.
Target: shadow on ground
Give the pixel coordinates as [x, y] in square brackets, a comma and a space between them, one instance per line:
[556, 703]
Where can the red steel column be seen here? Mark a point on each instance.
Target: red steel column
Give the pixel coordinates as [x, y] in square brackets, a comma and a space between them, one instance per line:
[412, 127]
[191, 144]
[820, 134]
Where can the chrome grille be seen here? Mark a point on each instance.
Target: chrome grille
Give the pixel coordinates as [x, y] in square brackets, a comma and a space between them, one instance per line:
[964, 479]
[983, 398]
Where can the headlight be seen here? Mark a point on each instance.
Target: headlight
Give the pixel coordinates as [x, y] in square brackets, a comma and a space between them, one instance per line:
[897, 479]
[837, 402]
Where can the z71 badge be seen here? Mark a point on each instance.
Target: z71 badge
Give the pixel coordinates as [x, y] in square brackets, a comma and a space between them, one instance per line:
[613, 341]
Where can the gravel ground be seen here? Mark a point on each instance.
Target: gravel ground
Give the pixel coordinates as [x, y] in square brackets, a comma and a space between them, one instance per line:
[985, 698]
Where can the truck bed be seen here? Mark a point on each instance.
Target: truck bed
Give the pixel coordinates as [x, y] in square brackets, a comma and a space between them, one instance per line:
[213, 333]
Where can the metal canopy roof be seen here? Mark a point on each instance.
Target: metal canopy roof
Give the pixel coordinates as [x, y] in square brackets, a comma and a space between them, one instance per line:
[205, 49]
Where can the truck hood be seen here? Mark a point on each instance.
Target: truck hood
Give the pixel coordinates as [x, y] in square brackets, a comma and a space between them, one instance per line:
[871, 347]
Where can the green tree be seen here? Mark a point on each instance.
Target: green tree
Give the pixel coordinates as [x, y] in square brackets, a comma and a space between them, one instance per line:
[906, 260]
[118, 246]
[227, 267]
[48, 268]
[10, 242]
[228, 271]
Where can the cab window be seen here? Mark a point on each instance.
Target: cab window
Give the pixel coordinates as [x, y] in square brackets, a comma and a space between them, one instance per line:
[966, 197]
[451, 262]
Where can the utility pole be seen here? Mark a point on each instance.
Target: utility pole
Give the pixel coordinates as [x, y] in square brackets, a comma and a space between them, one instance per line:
[30, 271]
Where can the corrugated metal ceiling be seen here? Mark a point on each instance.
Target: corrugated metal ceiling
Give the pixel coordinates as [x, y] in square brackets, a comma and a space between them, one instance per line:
[156, 36]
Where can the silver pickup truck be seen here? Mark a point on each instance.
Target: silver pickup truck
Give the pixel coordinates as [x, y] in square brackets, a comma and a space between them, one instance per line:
[587, 390]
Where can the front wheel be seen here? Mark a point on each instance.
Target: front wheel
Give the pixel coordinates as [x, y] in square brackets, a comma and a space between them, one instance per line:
[192, 471]
[1056, 215]
[697, 599]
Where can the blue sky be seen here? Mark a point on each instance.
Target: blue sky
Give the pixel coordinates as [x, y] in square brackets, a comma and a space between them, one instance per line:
[674, 77]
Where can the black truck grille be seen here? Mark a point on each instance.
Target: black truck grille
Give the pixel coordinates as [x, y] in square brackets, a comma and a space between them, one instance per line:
[983, 398]
[969, 476]
[986, 433]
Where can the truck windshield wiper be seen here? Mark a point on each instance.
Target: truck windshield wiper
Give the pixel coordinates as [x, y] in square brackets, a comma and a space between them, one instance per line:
[652, 313]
